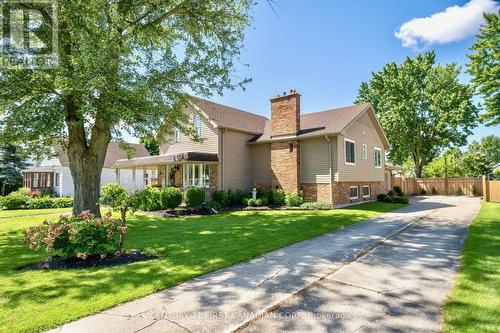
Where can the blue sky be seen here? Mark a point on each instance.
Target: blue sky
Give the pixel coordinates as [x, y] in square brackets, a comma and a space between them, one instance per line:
[325, 49]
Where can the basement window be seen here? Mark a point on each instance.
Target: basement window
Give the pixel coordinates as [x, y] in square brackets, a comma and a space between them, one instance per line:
[366, 191]
[353, 192]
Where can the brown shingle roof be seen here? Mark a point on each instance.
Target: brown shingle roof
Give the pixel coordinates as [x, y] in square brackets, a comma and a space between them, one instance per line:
[227, 117]
[113, 154]
[320, 123]
[169, 158]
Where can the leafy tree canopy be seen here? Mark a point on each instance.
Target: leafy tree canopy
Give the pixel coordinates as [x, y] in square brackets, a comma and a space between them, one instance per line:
[124, 66]
[151, 143]
[422, 106]
[484, 67]
[12, 162]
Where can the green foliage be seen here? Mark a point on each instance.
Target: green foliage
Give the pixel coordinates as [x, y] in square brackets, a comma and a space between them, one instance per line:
[483, 66]
[236, 196]
[62, 202]
[392, 197]
[40, 203]
[11, 164]
[398, 190]
[15, 200]
[382, 197]
[279, 197]
[171, 197]
[245, 200]
[70, 237]
[252, 202]
[488, 147]
[222, 198]
[115, 196]
[316, 205]
[123, 66]
[148, 199]
[423, 108]
[259, 202]
[496, 173]
[213, 205]
[294, 199]
[195, 197]
[151, 143]
[434, 190]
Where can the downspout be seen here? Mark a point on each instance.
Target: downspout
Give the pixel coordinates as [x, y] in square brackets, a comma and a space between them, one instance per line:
[221, 158]
[331, 168]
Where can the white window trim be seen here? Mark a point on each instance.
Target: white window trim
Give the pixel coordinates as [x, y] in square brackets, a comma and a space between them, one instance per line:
[364, 151]
[202, 167]
[345, 152]
[369, 191]
[177, 135]
[374, 157]
[197, 129]
[357, 192]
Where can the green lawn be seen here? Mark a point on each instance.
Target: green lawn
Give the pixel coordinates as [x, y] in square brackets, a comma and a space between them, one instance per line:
[34, 300]
[32, 212]
[474, 305]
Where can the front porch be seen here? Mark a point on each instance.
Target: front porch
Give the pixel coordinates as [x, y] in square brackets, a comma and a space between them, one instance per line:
[183, 171]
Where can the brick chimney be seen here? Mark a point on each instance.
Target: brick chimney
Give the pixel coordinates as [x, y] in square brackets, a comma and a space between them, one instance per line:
[285, 153]
[285, 114]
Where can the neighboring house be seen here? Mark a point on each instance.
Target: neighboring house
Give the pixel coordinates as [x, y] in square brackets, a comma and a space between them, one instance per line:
[334, 156]
[54, 173]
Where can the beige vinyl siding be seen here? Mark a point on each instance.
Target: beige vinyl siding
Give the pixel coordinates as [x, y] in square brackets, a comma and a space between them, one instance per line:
[236, 158]
[314, 161]
[260, 162]
[335, 157]
[209, 143]
[362, 131]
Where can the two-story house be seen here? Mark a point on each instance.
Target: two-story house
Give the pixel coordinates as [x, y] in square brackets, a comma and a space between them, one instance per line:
[335, 156]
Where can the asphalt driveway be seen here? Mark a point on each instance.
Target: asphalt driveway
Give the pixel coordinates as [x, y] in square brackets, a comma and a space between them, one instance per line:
[399, 286]
[390, 273]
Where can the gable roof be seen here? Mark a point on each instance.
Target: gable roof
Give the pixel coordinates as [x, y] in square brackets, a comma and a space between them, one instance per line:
[231, 118]
[329, 122]
[114, 153]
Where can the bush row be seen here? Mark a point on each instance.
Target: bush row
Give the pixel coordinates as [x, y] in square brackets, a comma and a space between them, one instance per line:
[21, 200]
[154, 198]
[222, 199]
[394, 196]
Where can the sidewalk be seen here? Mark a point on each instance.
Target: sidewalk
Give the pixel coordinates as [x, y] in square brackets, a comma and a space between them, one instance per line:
[225, 300]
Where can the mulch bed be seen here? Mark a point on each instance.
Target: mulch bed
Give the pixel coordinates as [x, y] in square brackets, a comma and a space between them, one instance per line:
[91, 261]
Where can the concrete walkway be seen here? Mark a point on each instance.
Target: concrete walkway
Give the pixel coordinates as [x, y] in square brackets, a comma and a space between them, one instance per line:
[397, 267]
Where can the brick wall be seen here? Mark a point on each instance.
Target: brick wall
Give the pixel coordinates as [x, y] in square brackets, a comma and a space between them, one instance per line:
[316, 192]
[285, 165]
[178, 175]
[285, 114]
[341, 191]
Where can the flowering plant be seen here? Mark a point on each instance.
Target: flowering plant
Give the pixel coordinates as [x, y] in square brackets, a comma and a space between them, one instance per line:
[76, 236]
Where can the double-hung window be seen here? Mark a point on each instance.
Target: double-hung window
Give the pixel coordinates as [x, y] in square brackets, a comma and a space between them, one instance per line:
[364, 151]
[350, 152]
[377, 156]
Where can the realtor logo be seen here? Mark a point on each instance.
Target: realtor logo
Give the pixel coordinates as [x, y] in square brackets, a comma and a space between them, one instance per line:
[28, 32]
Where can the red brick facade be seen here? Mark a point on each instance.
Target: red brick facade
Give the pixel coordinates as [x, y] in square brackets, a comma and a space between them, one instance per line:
[316, 192]
[285, 165]
[341, 192]
[285, 114]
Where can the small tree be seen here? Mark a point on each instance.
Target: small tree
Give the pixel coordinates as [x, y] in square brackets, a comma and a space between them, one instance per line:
[11, 164]
[116, 197]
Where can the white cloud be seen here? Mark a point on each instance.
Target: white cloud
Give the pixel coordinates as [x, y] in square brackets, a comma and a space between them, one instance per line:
[453, 24]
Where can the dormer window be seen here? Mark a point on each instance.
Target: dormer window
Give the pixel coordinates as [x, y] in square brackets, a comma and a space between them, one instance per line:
[197, 124]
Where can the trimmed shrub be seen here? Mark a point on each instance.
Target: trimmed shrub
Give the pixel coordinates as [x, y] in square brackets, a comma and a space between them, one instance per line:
[294, 199]
[236, 196]
[316, 205]
[382, 197]
[148, 199]
[195, 197]
[40, 203]
[24, 191]
[222, 198]
[244, 201]
[391, 193]
[80, 237]
[14, 200]
[213, 205]
[398, 190]
[279, 197]
[62, 202]
[259, 202]
[171, 197]
[404, 199]
[251, 202]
